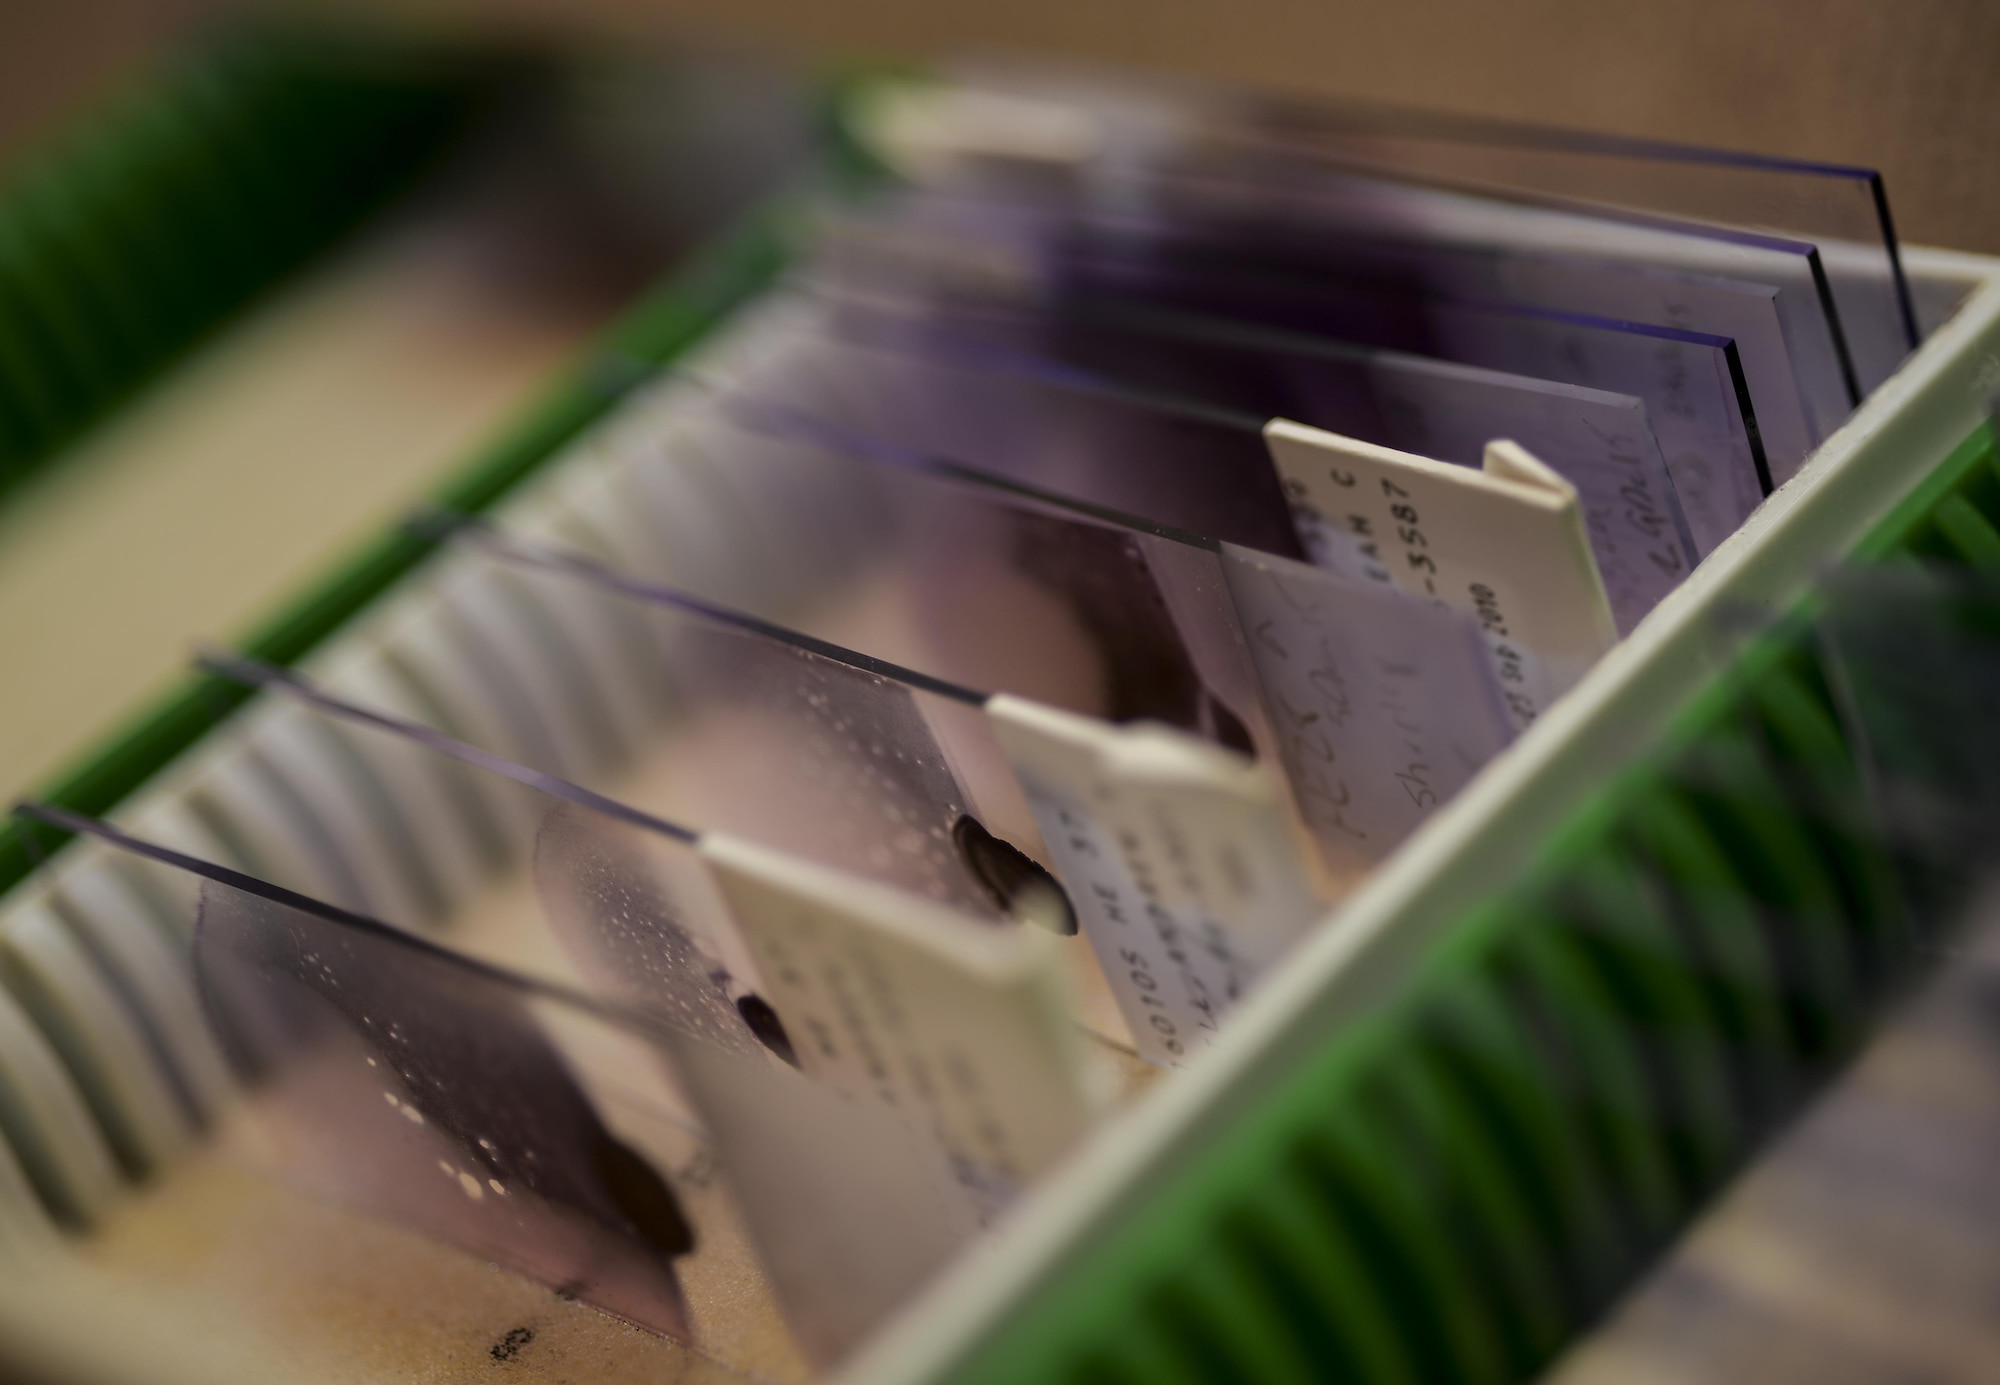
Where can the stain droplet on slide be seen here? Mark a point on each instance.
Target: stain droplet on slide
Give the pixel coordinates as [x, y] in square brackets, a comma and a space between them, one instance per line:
[509, 1346]
[1227, 727]
[765, 1024]
[643, 1196]
[1017, 881]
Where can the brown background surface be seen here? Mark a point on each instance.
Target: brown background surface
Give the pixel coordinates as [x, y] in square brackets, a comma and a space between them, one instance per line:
[1910, 87]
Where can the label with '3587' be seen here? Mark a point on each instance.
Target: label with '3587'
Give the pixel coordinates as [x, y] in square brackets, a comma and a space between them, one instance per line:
[1504, 543]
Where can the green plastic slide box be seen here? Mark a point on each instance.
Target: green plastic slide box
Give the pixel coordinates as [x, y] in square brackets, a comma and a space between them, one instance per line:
[1522, 1057]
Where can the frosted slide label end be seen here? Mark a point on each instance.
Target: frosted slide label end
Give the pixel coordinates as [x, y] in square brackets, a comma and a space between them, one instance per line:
[1506, 545]
[1182, 859]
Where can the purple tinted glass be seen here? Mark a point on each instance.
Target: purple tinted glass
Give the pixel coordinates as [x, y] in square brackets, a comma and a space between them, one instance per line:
[1841, 210]
[1601, 442]
[414, 1084]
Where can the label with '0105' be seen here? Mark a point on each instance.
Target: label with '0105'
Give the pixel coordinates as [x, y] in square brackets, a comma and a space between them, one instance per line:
[1181, 858]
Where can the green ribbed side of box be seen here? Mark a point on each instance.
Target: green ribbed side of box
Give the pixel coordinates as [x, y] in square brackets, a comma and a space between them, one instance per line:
[1459, 1186]
[129, 236]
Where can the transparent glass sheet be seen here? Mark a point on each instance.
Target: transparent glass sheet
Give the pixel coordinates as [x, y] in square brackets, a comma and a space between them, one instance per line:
[846, 753]
[851, 1209]
[1766, 296]
[1000, 846]
[762, 737]
[425, 787]
[548, 1128]
[1841, 210]
[1381, 707]
[836, 758]
[991, 589]
[433, 1091]
[1196, 467]
[627, 905]
[1600, 442]
[974, 592]
[1693, 384]
[986, 586]
[872, 769]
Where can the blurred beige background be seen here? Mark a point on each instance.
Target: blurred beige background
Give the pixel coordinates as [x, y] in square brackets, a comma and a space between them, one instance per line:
[1911, 87]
